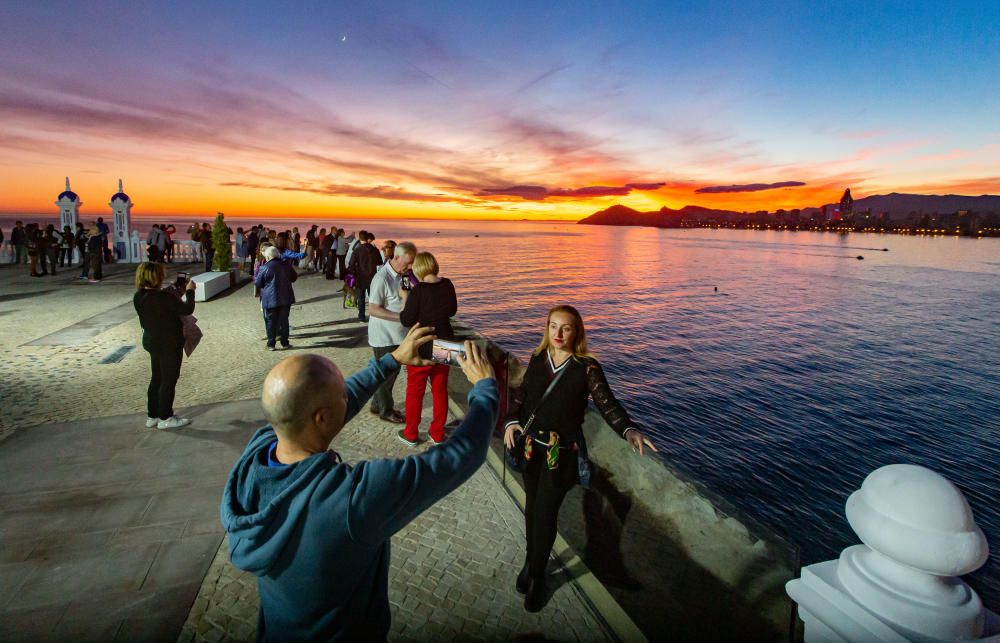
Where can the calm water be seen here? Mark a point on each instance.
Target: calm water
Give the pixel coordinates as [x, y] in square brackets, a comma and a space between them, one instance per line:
[782, 390]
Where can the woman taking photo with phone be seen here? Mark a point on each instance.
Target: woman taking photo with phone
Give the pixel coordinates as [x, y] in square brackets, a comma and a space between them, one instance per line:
[545, 423]
[429, 302]
[160, 314]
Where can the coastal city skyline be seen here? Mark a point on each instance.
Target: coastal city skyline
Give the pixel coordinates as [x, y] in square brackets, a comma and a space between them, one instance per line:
[513, 112]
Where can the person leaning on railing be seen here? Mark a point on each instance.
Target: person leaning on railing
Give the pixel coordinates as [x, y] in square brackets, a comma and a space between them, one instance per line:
[554, 450]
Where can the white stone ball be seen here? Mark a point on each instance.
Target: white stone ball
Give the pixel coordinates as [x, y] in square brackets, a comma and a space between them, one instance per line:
[917, 517]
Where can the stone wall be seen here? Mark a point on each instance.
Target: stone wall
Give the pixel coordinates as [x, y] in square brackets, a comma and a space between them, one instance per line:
[679, 559]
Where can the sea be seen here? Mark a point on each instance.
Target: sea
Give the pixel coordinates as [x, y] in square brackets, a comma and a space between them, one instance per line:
[778, 369]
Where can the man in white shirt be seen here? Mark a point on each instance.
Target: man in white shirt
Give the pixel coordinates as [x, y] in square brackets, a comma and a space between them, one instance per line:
[385, 333]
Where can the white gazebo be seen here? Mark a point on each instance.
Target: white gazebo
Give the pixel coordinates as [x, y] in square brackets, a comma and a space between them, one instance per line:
[69, 208]
[121, 209]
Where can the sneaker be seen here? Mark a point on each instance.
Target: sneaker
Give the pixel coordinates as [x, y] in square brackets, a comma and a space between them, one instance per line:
[287, 346]
[405, 440]
[272, 348]
[172, 422]
[93, 281]
[84, 278]
[436, 441]
[151, 422]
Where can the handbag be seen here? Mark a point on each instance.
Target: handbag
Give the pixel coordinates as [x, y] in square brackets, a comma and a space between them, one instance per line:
[514, 458]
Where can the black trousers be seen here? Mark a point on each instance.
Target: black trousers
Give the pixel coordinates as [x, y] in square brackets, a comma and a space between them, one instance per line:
[382, 402]
[360, 293]
[276, 324]
[341, 262]
[544, 491]
[166, 363]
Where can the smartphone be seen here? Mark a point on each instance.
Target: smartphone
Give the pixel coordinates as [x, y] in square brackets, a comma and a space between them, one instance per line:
[444, 352]
[182, 279]
[405, 285]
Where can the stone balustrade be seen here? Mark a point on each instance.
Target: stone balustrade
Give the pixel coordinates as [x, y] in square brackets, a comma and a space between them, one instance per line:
[185, 251]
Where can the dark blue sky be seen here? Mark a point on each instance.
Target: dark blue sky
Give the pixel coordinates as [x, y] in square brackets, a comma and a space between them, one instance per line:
[444, 105]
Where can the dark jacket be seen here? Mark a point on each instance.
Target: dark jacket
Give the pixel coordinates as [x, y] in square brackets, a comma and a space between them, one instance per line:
[564, 409]
[274, 279]
[160, 316]
[95, 245]
[18, 237]
[316, 533]
[252, 241]
[365, 263]
[431, 305]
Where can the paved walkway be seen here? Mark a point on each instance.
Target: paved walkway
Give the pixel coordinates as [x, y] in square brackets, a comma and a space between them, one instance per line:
[107, 527]
[453, 568]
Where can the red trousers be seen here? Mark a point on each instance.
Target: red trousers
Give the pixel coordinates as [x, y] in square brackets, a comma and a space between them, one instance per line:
[416, 384]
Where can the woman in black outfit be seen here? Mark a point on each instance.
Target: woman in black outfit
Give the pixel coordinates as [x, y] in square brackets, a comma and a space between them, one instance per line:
[431, 302]
[160, 314]
[554, 449]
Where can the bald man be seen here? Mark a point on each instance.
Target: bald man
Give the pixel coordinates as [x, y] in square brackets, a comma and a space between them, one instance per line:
[314, 530]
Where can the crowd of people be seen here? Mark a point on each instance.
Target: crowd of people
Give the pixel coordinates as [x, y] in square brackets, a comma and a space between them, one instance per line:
[315, 530]
[44, 248]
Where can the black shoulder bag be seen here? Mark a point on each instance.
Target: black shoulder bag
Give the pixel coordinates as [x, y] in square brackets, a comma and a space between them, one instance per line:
[514, 458]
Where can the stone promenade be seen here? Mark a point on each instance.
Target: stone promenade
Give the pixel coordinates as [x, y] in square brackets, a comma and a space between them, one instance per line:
[109, 530]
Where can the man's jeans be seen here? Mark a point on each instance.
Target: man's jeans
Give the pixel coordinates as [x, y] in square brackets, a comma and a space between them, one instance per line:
[382, 399]
[20, 254]
[209, 255]
[276, 322]
[361, 305]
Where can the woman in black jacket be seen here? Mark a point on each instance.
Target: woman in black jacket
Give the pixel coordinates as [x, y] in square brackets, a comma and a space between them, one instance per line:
[160, 314]
[431, 302]
[554, 448]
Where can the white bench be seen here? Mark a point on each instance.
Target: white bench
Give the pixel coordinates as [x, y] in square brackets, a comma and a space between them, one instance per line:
[210, 284]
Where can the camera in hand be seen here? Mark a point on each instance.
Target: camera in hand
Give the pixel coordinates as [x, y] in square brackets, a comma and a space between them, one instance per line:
[405, 284]
[182, 279]
[445, 352]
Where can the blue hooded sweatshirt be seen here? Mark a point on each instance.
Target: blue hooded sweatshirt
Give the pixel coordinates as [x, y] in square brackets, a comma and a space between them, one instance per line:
[316, 532]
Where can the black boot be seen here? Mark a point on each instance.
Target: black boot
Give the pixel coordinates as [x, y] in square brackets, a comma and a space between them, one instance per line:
[522, 580]
[534, 598]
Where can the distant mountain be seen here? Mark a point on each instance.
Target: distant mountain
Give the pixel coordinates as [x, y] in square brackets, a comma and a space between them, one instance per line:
[897, 205]
[663, 218]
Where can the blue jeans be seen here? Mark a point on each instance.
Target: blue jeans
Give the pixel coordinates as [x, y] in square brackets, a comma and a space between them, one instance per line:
[276, 323]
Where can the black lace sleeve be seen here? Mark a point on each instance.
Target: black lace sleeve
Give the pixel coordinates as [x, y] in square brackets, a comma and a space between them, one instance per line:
[610, 408]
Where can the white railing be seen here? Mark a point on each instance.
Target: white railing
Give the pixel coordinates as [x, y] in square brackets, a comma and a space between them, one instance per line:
[7, 253]
[185, 251]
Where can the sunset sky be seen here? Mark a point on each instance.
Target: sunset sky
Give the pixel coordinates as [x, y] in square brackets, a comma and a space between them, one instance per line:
[494, 110]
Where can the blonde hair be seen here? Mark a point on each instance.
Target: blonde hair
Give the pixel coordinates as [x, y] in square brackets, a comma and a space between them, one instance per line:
[579, 337]
[149, 275]
[424, 264]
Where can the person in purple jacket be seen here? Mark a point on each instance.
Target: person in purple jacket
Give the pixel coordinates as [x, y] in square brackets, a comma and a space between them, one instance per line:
[315, 530]
[274, 279]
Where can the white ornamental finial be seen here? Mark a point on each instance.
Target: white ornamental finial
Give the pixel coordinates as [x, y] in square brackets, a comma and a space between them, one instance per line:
[119, 185]
[919, 536]
[67, 184]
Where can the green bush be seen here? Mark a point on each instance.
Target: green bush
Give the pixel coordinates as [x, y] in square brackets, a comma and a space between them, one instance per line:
[223, 247]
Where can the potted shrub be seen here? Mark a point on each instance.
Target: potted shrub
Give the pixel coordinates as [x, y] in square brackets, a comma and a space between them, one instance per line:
[223, 260]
